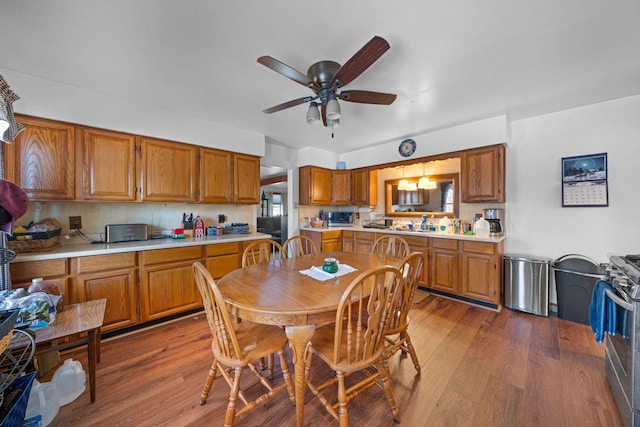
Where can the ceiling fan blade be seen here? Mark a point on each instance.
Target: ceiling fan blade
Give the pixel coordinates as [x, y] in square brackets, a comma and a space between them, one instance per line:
[362, 60]
[323, 113]
[367, 97]
[287, 71]
[287, 104]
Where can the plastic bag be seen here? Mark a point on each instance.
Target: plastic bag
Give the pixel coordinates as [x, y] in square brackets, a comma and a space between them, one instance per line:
[35, 310]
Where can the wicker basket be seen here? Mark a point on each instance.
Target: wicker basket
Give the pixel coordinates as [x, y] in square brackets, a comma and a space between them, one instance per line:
[7, 322]
[34, 242]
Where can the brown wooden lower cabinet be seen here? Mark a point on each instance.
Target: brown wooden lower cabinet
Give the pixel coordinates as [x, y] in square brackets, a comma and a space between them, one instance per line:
[458, 267]
[113, 277]
[326, 240]
[223, 258]
[139, 286]
[482, 270]
[347, 240]
[167, 286]
[443, 265]
[363, 241]
[420, 244]
[51, 269]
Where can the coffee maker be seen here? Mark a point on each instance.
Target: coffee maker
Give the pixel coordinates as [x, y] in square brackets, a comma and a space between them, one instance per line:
[495, 217]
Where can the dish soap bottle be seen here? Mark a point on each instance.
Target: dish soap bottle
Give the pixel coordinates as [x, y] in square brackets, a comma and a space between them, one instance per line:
[423, 224]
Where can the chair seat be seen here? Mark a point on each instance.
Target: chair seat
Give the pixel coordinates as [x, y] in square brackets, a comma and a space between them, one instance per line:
[256, 341]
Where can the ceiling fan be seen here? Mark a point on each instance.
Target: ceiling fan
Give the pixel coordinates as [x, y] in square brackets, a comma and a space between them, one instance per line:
[325, 78]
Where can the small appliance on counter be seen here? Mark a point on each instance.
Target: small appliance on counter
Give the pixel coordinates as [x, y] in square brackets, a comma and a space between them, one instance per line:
[125, 232]
[340, 219]
[495, 217]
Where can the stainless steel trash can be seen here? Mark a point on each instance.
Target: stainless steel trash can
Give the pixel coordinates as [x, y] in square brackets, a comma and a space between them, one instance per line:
[526, 284]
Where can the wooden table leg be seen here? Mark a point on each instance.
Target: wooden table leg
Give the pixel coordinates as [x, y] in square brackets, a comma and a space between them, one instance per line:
[92, 355]
[299, 337]
[98, 345]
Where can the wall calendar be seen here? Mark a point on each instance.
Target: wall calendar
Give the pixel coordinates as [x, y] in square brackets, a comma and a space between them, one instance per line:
[584, 181]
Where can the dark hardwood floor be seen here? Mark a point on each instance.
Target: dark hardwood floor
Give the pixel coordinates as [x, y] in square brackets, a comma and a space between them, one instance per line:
[479, 368]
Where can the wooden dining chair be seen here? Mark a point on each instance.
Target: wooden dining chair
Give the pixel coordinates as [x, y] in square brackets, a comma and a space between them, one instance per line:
[262, 252]
[236, 346]
[299, 246]
[397, 335]
[391, 245]
[355, 342]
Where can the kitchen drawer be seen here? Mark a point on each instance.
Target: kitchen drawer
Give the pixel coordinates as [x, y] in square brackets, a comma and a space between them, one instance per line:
[89, 264]
[224, 249]
[331, 234]
[347, 234]
[364, 235]
[25, 271]
[223, 264]
[444, 243]
[417, 242]
[480, 247]
[166, 256]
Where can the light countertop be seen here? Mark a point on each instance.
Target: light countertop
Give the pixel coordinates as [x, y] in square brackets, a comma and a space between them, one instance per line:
[68, 250]
[435, 234]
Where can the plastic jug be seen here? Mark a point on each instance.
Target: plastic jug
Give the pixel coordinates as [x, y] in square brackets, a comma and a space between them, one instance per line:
[443, 225]
[482, 228]
[71, 381]
[44, 401]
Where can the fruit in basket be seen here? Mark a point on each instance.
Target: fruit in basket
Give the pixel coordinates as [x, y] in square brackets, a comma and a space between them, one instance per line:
[20, 229]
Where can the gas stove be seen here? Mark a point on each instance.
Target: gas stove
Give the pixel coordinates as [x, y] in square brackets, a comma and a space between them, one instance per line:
[622, 352]
[625, 275]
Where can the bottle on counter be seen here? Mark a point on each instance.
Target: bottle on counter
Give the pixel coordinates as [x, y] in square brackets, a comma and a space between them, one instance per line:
[443, 225]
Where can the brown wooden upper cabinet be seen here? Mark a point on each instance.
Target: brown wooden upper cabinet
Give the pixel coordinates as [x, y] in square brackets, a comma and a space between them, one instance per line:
[483, 174]
[54, 160]
[326, 187]
[315, 186]
[341, 187]
[364, 187]
[216, 176]
[246, 172]
[168, 170]
[41, 160]
[107, 165]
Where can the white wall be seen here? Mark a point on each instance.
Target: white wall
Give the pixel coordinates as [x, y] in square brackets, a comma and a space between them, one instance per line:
[44, 98]
[537, 223]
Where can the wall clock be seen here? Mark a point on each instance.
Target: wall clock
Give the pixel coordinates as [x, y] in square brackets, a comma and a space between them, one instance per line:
[407, 147]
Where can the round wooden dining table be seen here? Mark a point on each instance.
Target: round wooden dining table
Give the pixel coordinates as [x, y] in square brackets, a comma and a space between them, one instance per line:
[278, 294]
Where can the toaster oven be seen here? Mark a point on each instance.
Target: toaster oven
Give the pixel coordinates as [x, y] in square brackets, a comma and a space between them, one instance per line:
[125, 232]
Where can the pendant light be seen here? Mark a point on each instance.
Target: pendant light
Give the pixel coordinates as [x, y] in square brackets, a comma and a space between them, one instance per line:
[424, 182]
[403, 185]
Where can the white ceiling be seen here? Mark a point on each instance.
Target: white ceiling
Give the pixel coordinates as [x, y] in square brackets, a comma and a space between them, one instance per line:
[450, 62]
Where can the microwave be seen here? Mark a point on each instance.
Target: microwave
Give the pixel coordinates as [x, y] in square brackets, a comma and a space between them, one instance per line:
[340, 219]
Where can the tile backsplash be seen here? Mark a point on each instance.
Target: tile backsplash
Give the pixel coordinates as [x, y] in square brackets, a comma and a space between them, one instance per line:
[162, 217]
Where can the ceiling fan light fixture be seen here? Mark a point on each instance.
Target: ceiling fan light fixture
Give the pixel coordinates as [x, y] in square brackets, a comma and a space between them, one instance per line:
[333, 123]
[313, 114]
[333, 109]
